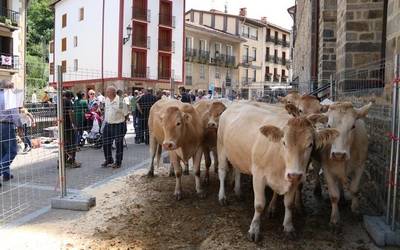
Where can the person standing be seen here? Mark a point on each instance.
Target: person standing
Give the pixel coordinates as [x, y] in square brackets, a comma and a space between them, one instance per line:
[185, 97]
[114, 129]
[34, 97]
[70, 127]
[27, 122]
[143, 105]
[92, 99]
[80, 108]
[133, 109]
[9, 119]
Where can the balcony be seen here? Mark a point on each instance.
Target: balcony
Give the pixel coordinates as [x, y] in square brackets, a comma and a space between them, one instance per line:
[167, 20]
[139, 72]
[267, 77]
[9, 17]
[276, 78]
[230, 61]
[228, 82]
[268, 58]
[164, 74]
[218, 59]
[189, 80]
[283, 61]
[164, 45]
[247, 80]
[270, 39]
[190, 54]
[204, 56]
[140, 41]
[141, 14]
[247, 59]
[285, 43]
[9, 62]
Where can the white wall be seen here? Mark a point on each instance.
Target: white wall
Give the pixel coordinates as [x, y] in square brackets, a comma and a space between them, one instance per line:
[152, 31]
[177, 37]
[127, 48]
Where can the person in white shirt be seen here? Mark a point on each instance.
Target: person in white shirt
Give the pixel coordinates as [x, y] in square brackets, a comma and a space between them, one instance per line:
[27, 121]
[115, 112]
[34, 97]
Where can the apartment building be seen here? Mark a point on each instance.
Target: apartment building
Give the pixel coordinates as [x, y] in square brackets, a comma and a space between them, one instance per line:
[127, 43]
[263, 52]
[12, 41]
[211, 58]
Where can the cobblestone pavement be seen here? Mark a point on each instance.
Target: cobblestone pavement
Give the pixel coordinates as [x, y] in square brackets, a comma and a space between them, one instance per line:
[36, 176]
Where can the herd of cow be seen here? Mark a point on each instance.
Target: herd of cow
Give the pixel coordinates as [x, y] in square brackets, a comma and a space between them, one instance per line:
[274, 144]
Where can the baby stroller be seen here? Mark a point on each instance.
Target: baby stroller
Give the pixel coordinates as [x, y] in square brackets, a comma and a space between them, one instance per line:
[93, 136]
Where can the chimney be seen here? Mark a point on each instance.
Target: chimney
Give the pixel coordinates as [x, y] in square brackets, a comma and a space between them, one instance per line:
[264, 19]
[243, 12]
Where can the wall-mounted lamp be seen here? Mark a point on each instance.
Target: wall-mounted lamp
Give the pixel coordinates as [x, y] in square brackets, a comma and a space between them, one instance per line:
[129, 33]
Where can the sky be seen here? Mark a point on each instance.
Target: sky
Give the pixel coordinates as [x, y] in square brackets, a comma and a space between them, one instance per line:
[274, 10]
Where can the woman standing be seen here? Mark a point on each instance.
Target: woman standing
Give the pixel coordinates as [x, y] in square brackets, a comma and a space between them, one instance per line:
[27, 121]
[80, 108]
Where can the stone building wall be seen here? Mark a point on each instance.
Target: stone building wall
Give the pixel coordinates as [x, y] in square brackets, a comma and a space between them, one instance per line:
[392, 38]
[327, 40]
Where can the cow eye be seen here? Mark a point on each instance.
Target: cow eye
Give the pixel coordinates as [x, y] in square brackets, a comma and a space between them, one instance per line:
[354, 126]
[178, 124]
[329, 126]
[284, 144]
[300, 110]
[311, 144]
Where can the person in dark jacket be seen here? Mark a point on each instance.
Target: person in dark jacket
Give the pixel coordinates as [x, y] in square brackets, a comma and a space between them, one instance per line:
[143, 106]
[185, 97]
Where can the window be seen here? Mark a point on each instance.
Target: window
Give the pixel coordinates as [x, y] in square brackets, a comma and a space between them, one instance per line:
[202, 72]
[254, 53]
[245, 31]
[276, 34]
[283, 55]
[64, 44]
[76, 65]
[189, 69]
[267, 70]
[217, 74]
[75, 41]
[212, 21]
[253, 33]
[201, 18]
[229, 50]
[217, 48]
[188, 43]
[64, 21]
[283, 72]
[51, 68]
[246, 51]
[268, 33]
[63, 66]
[81, 14]
[225, 27]
[202, 45]
[267, 56]
[192, 16]
[254, 75]
[51, 45]
[284, 37]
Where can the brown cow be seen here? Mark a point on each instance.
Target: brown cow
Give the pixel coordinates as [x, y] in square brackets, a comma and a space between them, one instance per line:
[210, 112]
[178, 128]
[347, 155]
[291, 98]
[273, 148]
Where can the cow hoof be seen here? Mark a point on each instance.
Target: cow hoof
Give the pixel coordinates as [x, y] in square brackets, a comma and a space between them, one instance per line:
[206, 181]
[171, 174]
[178, 196]
[335, 228]
[253, 236]
[201, 194]
[291, 235]
[271, 212]
[150, 174]
[223, 201]
[318, 191]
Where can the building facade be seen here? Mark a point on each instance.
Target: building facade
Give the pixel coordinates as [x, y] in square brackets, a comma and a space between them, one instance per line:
[127, 43]
[12, 41]
[211, 59]
[263, 58]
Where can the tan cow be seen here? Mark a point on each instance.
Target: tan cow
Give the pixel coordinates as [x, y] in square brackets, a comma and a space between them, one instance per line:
[273, 148]
[291, 98]
[347, 155]
[210, 111]
[178, 128]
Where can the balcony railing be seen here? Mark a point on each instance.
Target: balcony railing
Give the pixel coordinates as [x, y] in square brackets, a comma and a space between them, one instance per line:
[141, 14]
[276, 78]
[283, 61]
[228, 81]
[189, 80]
[139, 72]
[167, 20]
[190, 54]
[269, 39]
[9, 17]
[284, 79]
[164, 74]
[247, 59]
[204, 56]
[139, 41]
[8, 61]
[268, 58]
[230, 61]
[246, 80]
[267, 77]
[285, 43]
[164, 45]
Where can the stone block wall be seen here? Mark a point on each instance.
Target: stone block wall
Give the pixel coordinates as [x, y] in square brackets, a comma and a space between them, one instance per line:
[392, 38]
[327, 40]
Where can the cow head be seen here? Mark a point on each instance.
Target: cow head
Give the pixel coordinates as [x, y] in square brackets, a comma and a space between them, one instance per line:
[214, 112]
[310, 105]
[297, 139]
[175, 122]
[291, 98]
[342, 116]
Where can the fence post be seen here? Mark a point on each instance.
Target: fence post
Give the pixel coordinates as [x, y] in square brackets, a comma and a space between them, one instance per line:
[396, 167]
[60, 122]
[332, 94]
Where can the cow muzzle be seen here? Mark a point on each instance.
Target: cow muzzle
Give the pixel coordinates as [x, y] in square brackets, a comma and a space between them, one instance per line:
[169, 145]
[294, 177]
[212, 125]
[339, 156]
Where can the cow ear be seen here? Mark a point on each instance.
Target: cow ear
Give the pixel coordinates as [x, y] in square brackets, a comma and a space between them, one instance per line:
[187, 117]
[292, 110]
[317, 118]
[324, 108]
[363, 111]
[272, 132]
[325, 137]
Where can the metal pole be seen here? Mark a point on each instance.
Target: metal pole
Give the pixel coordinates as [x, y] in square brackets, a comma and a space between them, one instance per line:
[331, 87]
[396, 167]
[60, 119]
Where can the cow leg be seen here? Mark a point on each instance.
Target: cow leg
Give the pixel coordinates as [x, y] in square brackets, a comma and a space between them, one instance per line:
[159, 151]
[207, 160]
[272, 205]
[175, 162]
[222, 169]
[259, 205]
[334, 194]
[215, 156]
[196, 166]
[298, 201]
[153, 151]
[317, 185]
[238, 191]
[186, 170]
[288, 227]
[354, 185]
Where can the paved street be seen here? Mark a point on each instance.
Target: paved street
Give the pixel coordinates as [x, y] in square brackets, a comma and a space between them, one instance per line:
[36, 176]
